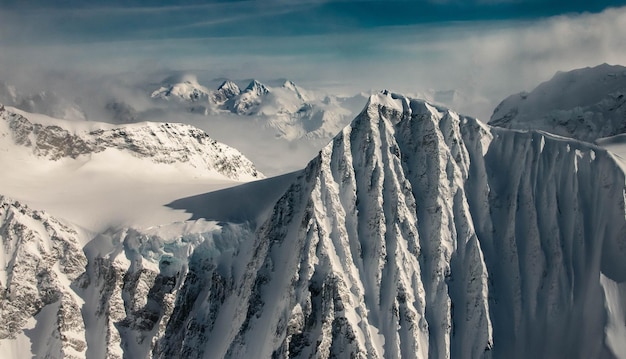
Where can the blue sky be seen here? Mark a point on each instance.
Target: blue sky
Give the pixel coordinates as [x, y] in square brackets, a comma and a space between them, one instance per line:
[485, 48]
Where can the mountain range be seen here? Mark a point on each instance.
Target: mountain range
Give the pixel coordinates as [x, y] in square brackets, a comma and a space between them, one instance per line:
[290, 110]
[416, 232]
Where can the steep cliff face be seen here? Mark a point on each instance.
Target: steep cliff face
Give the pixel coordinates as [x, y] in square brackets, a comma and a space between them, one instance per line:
[123, 294]
[41, 257]
[421, 233]
[139, 288]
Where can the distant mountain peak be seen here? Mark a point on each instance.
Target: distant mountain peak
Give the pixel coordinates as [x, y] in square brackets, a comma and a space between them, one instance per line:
[284, 106]
[186, 89]
[258, 88]
[226, 91]
[229, 85]
[288, 84]
[291, 86]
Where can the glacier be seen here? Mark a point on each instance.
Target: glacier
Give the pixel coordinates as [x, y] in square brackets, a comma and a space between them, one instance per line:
[415, 233]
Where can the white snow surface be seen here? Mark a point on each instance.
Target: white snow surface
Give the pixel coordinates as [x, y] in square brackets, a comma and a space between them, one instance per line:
[99, 175]
[415, 233]
[585, 104]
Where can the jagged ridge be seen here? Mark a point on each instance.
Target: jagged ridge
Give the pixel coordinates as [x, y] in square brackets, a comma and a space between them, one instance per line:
[167, 143]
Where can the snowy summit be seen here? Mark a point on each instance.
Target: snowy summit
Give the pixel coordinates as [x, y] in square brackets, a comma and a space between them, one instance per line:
[585, 104]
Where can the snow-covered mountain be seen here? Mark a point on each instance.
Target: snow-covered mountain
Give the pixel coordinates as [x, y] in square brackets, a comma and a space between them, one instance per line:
[188, 89]
[161, 143]
[421, 233]
[290, 110]
[99, 175]
[226, 91]
[585, 104]
[415, 233]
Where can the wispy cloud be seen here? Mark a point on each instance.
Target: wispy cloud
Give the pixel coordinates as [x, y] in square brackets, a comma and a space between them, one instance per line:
[484, 59]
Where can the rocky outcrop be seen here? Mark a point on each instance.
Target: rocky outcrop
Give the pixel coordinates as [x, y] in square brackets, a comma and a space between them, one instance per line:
[41, 259]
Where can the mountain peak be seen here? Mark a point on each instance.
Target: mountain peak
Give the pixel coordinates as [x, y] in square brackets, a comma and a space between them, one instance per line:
[230, 86]
[585, 104]
[183, 88]
[258, 88]
[226, 91]
[288, 84]
[291, 86]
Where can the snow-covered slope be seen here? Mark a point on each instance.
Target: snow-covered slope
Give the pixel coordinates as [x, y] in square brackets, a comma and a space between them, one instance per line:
[585, 104]
[415, 233]
[100, 175]
[164, 143]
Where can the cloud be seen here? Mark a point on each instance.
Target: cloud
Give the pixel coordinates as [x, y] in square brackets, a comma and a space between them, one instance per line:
[486, 60]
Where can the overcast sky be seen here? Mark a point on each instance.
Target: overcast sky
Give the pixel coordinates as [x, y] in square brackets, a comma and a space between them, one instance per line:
[485, 48]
